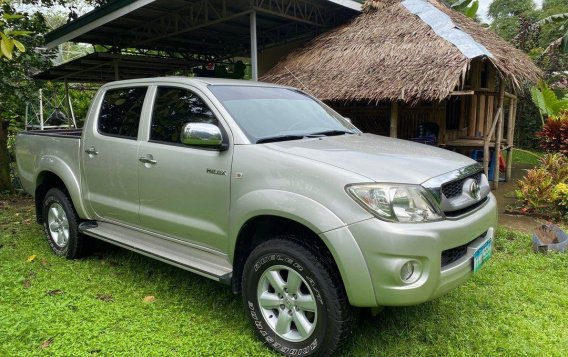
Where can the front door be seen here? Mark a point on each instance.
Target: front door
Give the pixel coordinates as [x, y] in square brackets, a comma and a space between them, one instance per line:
[110, 156]
[184, 191]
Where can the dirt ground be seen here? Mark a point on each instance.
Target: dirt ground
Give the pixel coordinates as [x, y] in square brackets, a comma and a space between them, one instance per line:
[506, 196]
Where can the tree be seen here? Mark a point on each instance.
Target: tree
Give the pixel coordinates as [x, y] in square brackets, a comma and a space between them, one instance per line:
[562, 20]
[500, 9]
[553, 25]
[507, 16]
[545, 37]
[467, 7]
[533, 31]
[19, 32]
[546, 100]
[21, 36]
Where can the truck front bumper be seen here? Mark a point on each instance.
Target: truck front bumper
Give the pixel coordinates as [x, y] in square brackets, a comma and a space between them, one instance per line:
[441, 254]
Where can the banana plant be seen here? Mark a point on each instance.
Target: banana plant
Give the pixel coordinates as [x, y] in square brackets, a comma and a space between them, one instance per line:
[562, 19]
[546, 101]
[467, 7]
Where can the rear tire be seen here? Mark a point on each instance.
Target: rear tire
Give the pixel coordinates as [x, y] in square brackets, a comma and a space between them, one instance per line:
[295, 299]
[61, 225]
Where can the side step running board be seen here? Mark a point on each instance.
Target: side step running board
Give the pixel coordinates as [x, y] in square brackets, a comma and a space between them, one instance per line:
[171, 251]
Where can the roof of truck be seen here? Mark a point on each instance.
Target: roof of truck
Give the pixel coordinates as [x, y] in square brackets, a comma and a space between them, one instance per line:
[194, 80]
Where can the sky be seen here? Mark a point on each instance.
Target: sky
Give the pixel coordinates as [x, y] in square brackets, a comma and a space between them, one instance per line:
[484, 6]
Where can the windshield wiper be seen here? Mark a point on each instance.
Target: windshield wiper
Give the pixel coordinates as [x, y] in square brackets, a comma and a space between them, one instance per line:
[272, 139]
[330, 133]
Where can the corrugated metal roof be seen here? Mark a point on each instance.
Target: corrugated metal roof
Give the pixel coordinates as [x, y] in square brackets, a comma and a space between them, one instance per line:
[116, 9]
[59, 35]
[444, 27]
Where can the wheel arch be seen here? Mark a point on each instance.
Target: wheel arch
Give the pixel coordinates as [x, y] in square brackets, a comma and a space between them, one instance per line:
[64, 179]
[261, 228]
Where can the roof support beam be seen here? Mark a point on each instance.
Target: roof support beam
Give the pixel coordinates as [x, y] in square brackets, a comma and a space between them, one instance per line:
[98, 22]
[297, 10]
[187, 18]
[205, 13]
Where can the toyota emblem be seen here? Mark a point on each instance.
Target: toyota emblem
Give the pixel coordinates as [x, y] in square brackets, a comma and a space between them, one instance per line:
[474, 190]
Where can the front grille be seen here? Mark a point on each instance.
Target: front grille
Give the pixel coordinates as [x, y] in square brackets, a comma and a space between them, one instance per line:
[451, 255]
[455, 188]
[459, 212]
[454, 254]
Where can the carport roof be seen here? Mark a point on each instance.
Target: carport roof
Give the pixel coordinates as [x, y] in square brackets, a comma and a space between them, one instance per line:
[213, 27]
[105, 67]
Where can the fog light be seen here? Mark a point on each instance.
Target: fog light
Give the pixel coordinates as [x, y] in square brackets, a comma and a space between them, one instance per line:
[410, 271]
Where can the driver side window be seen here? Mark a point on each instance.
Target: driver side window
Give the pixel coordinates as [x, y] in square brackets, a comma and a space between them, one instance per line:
[175, 107]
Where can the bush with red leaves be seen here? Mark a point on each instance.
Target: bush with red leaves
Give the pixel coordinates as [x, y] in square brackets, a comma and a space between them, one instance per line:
[554, 134]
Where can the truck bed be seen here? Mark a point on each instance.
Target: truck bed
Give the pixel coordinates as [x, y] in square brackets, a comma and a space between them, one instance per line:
[55, 132]
[47, 150]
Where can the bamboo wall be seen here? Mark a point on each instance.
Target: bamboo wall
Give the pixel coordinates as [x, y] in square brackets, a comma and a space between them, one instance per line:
[477, 102]
[468, 119]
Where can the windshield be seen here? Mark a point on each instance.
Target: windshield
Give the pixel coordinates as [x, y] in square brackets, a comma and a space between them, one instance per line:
[275, 114]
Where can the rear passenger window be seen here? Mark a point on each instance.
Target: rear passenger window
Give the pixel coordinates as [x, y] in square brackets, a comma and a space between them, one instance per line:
[175, 107]
[120, 112]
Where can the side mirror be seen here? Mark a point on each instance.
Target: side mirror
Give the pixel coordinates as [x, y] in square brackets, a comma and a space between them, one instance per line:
[202, 134]
[348, 120]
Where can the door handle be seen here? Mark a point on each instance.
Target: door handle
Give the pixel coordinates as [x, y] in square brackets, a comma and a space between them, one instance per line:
[92, 151]
[148, 160]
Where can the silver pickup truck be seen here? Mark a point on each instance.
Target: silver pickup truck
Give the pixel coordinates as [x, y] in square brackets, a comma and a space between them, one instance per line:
[266, 189]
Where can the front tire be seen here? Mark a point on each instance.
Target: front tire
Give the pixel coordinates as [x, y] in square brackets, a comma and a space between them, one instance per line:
[295, 299]
[61, 225]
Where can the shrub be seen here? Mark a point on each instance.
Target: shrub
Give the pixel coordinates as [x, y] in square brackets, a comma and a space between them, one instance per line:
[554, 134]
[561, 198]
[528, 123]
[544, 190]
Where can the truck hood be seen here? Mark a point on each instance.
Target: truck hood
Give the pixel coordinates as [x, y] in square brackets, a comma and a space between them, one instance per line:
[379, 158]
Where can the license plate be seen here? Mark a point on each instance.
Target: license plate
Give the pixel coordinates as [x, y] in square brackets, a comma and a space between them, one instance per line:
[482, 255]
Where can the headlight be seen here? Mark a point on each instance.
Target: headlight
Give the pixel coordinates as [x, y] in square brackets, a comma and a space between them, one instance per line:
[395, 202]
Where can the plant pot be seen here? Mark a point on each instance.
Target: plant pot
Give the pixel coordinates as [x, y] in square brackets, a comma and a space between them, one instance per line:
[550, 237]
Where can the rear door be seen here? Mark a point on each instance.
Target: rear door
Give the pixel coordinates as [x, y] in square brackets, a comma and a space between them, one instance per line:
[184, 191]
[110, 155]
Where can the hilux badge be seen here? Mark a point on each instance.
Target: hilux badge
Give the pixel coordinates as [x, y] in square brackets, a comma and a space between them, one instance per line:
[217, 172]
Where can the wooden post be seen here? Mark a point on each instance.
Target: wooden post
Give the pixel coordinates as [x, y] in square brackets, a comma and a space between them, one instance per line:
[475, 99]
[510, 137]
[499, 135]
[441, 112]
[394, 120]
[471, 126]
[491, 79]
[487, 141]
[481, 114]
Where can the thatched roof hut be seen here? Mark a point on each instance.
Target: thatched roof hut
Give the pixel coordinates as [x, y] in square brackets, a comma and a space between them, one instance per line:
[405, 64]
[409, 51]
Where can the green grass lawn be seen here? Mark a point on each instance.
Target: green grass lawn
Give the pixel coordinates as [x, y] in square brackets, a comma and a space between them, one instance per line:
[521, 156]
[516, 305]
